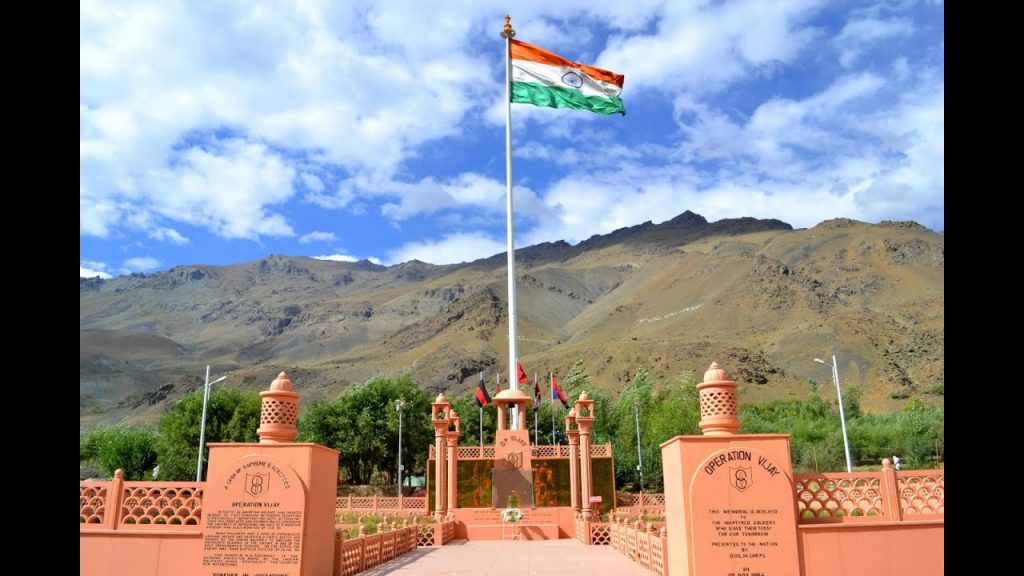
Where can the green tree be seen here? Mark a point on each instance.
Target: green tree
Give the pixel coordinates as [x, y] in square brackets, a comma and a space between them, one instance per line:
[232, 415]
[664, 411]
[851, 402]
[130, 449]
[469, 413]
[362, 424]
[576, 381]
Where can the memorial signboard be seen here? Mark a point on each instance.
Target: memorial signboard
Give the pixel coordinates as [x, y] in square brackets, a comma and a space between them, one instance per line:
[253, 516]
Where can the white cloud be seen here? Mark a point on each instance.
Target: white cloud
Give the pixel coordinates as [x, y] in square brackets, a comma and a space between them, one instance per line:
[464, 192]
[701, 47]
[341, 81]
[312, 182]
[452, 249]
[228, 186]
[337, 258]
[168, 235]
[857, 148]
[140, 264]
[231, 117]
[84, 272]
[429, 195]
[858, 34]
[318, 236]
[92, 268]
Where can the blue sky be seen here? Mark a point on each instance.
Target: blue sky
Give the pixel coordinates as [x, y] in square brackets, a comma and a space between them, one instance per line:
[221, 132]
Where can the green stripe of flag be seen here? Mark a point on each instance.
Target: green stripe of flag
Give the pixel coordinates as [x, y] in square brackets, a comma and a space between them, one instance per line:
[558, 97]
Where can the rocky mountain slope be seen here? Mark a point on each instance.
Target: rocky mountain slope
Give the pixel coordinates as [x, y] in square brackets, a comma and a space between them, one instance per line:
[755, 295]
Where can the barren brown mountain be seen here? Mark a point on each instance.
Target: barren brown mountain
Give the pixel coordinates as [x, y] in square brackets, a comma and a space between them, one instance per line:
[755, 295]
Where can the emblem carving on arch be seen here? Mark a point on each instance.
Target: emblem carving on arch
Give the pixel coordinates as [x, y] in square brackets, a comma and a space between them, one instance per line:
[741, 478]
[514, 459]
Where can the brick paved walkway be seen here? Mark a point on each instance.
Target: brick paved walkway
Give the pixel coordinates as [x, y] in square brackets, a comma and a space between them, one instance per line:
[526, 558]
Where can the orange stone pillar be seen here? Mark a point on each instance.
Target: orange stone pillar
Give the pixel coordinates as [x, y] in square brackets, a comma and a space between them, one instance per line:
[439, 416]
[573, 432]
[730, 507]
[269, 507]
[280, 411]
[501, 416]
[585, 421]
[718, 416]
[453, 459]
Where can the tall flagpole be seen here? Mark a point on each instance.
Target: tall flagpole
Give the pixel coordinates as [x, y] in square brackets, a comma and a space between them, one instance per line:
[552, 388]
[513, 378]
[536, 413]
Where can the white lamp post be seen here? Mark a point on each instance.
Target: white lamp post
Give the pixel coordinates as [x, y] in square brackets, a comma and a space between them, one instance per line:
[202, 424]
[399, 404]
[842, 414]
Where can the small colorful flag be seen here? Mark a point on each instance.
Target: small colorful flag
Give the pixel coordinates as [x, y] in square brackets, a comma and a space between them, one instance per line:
[482, 397]
[556, 392]
[521, 374]
[536, 393]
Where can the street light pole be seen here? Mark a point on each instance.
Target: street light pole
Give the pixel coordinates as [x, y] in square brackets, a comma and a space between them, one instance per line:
[202, 423]
[399, 404]
[639, 458]
[842, 414]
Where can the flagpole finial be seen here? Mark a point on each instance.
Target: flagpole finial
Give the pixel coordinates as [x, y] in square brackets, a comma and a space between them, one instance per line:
[507, 31]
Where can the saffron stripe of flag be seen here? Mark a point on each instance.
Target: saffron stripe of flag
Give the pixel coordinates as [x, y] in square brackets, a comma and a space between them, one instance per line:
[543, 78]
[521, 374]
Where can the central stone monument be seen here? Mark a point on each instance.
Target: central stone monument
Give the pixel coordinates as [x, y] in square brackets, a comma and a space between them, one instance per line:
[512, 475]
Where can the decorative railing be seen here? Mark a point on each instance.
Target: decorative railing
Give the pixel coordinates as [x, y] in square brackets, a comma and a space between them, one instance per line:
[600, 533]
[472, 452]
[92, 504]
[889, 495]
[593, 533]
[922, 493]
[355, 555]
[435, 534]
[837, 495]
[536, 451]
[554, 451]
[582, 529]
[394, 504]
[642, 500]
[153, 504]
[140, 505]
[427, 537]
[642, 543]
[447, 531]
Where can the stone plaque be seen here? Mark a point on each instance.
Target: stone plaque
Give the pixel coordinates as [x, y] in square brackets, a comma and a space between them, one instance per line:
[743, 516]
[511, 485]
[253, 519]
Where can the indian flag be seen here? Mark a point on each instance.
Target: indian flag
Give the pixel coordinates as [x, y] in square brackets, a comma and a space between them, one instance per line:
[543, 78]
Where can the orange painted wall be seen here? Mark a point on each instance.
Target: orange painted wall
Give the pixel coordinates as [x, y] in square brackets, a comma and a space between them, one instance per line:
[174, 552]
[855, 549]
[138, 553]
